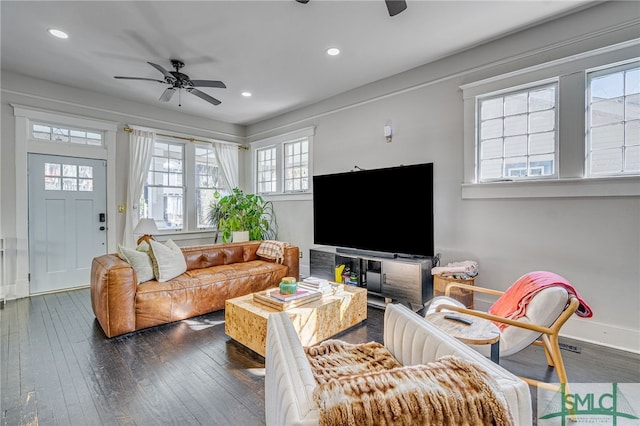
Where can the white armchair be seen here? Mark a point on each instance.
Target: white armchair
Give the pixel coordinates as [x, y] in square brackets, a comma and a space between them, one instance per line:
[289, 381]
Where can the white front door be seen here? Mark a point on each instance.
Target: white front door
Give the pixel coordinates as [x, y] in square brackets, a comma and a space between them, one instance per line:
[67, 220]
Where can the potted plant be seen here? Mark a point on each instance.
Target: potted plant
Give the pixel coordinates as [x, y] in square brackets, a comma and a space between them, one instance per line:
[238, 212]
[214, 214]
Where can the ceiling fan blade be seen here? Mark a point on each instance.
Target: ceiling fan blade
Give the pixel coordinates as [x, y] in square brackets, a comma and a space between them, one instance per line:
[208, 83]
[395, 6]
[204, 96]
[162, 70]
[167, 94]
[139, 78]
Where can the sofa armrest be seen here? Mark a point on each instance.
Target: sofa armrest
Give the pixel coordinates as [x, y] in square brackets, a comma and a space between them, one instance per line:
[289, 381]
[113, 292]
[413, 340]
[292, 260]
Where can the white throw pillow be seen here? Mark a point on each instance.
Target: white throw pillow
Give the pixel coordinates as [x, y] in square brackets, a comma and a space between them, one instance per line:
[167, 259]
[139, 260]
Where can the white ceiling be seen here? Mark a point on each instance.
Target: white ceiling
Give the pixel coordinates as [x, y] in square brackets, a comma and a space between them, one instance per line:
[275, 49]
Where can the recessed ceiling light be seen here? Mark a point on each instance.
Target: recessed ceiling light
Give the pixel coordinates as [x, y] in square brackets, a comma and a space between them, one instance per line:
[333, 51]
[246, 94]
[57, 33]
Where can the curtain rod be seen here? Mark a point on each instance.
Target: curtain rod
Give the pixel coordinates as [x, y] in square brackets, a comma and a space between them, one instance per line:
[129, 130]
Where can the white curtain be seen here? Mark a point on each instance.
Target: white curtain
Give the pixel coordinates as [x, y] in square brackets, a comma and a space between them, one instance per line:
[227, 155]
[140, 152]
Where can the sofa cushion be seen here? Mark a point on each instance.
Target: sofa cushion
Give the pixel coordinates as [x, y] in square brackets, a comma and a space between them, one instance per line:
[167, 259]
[139, 260]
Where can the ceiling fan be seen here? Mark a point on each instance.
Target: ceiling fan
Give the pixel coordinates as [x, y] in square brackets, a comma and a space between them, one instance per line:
[178, 81]
[393, 6]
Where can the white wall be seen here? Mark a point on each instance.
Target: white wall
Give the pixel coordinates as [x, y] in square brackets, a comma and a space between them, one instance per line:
[38, 94]
[594, 242]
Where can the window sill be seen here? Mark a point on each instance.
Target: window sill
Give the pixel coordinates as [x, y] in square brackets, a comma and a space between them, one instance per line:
[183, 235]
[298, 196]
[627, 186]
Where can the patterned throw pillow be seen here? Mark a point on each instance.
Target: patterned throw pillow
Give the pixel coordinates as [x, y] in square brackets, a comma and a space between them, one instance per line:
[167, 260]
[139, 260]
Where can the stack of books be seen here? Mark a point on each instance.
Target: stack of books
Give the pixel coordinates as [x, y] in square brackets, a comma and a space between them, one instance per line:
[274, 299]
[318, 284]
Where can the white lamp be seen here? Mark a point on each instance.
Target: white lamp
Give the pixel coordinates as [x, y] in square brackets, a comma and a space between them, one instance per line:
[147, 228]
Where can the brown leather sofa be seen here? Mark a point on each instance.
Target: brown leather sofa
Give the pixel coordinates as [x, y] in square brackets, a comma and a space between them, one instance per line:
[214, 274]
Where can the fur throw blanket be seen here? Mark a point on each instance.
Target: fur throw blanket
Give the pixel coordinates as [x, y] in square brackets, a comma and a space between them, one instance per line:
[365, 385]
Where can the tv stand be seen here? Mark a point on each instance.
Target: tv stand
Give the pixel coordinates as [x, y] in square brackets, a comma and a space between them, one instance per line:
[366, 253]
[406, 280]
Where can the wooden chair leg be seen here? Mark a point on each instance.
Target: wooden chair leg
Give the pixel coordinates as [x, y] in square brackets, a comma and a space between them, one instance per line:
[547, 352]
[556, 356]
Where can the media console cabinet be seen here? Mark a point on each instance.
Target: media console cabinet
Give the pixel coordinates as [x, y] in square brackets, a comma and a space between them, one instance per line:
[406, 280]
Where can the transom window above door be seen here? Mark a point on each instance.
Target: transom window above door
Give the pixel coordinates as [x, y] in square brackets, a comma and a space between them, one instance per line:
[53, 133]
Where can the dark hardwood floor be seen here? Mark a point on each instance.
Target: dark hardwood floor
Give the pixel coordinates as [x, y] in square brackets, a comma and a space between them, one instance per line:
[57, 368]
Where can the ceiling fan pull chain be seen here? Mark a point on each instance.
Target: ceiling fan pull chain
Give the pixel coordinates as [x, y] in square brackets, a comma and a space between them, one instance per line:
[180, 97]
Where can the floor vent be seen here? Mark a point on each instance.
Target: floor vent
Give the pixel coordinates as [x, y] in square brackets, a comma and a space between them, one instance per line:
[570, 348]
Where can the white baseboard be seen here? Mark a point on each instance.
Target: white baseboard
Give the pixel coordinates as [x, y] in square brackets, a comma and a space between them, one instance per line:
[588, 330]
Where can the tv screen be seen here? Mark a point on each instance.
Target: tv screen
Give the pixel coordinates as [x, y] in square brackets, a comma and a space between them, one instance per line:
[386, 210]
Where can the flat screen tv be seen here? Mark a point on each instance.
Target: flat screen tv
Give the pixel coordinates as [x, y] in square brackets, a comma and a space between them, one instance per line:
[388, 211]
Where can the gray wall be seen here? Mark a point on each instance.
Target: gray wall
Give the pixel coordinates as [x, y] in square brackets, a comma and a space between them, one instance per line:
[594, 242]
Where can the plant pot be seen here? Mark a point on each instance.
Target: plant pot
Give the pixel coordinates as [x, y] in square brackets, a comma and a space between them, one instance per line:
[240, 236]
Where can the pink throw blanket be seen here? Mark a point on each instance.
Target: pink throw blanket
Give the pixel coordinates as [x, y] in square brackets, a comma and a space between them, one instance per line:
[513, 303]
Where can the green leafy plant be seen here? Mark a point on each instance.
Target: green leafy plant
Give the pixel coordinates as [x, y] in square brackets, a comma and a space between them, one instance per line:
[214, 214]
[243, 212]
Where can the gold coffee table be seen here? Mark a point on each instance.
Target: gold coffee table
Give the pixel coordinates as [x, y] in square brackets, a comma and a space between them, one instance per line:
[246, 320]
[479, 332]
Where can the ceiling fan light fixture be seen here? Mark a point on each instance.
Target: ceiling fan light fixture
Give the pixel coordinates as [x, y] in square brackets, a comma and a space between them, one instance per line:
[57, 33]
[246, 94]
[333, 51]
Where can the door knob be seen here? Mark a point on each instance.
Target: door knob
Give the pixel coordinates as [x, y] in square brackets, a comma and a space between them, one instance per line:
[102, 228]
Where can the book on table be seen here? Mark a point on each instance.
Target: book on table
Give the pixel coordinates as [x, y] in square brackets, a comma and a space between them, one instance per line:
[316, 282]
[267, 298]
[300, 293]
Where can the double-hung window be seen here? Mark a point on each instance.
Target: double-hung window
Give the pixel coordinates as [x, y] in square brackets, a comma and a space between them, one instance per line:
[517, 134]
[208, 182]
[164, 191]
[282, 164]
[296, 165]
[184, 178]
[613, 138]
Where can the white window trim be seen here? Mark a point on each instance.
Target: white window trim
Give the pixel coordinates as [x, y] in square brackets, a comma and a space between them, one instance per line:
[25, 144]
[279, 140]
[571, 139]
